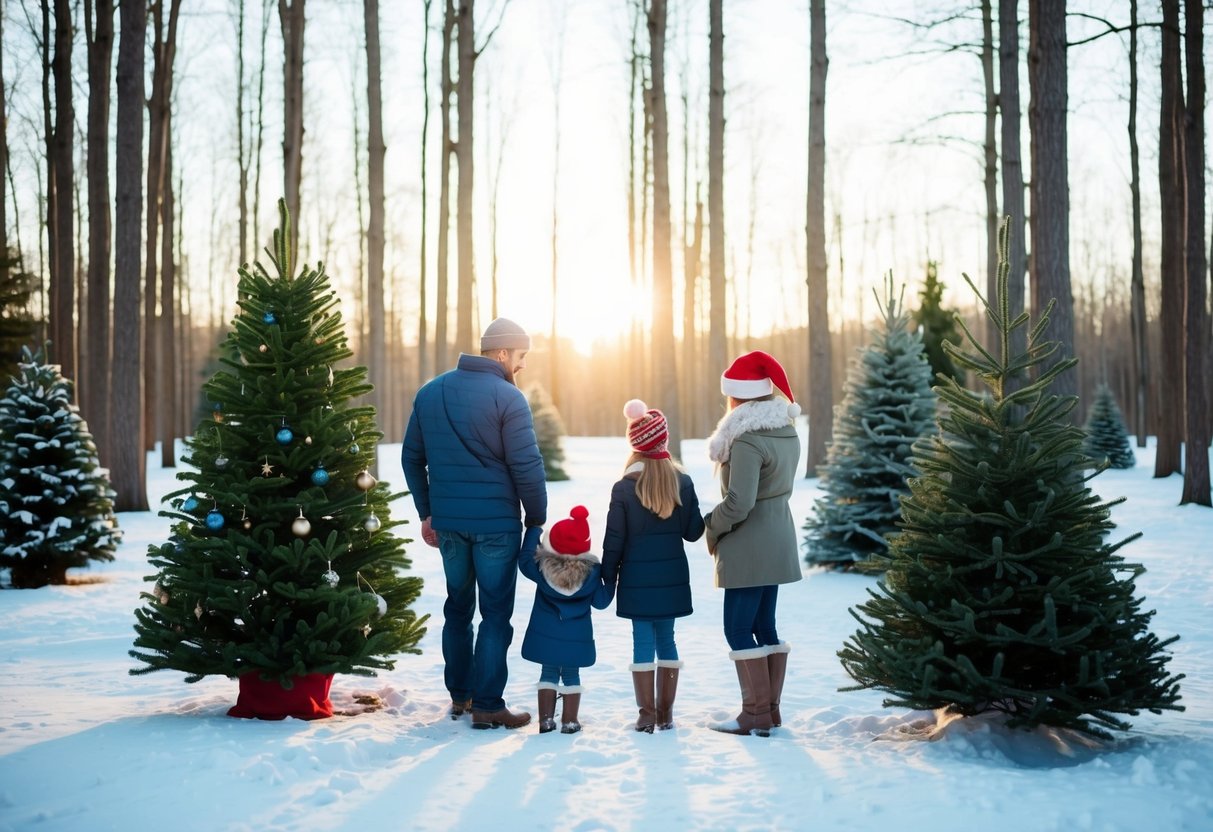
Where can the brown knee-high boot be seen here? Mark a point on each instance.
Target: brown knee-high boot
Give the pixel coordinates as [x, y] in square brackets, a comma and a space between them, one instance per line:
[753, 675]
[643, 682]
[667, 688]
[568, 711]
[547, 707]
[777, 667]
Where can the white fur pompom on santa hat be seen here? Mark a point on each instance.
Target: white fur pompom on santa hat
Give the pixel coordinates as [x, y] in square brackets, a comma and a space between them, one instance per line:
[635, 408]
[758, 374]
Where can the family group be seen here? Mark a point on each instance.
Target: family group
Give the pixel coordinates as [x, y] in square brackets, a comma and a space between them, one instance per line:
[476, 476]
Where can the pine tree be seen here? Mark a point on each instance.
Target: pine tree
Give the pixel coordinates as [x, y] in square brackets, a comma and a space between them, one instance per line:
[282, 558]
[56, 503]
[1002, 594]
[17, 324]
[887, 405]
[1107, 437]
[549, 429]
[938, 325]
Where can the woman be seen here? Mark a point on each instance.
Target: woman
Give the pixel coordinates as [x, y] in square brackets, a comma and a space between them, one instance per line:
[751, 533]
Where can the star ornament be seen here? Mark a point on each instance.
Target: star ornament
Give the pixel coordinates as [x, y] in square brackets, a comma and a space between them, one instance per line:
[267, 469]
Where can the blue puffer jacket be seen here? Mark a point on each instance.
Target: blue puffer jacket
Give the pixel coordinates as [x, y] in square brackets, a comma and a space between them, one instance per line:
[566, 586]
[646, 553]
[470, 455]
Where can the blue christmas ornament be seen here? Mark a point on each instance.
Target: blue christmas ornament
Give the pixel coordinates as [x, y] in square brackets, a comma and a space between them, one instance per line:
[320, 476]
[269, 318]
[214, 520]
[285, 436]
[191, 503]
[354, 448]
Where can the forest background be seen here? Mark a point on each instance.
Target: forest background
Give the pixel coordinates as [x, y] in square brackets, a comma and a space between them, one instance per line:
[648, 187]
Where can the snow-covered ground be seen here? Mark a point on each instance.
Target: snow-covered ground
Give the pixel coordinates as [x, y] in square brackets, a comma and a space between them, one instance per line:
[85, 746]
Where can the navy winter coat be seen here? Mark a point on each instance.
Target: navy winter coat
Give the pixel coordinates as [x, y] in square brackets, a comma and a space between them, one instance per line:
[566, 586]
[470, 455]
[646, 553]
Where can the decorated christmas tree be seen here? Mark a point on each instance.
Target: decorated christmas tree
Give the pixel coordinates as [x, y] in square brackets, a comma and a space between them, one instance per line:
[1107, 437]
[549, 430]
[887, 406]
[938, 325]
[282, 567]
[56, 503]
[1002, 593]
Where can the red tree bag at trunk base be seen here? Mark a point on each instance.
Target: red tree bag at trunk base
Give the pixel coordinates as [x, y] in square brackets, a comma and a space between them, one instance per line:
[307, 699]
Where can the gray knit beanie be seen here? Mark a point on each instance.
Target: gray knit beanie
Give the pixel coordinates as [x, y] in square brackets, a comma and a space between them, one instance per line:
[504, 334]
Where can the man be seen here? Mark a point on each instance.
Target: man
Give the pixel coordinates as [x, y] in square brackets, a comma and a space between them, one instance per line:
[470, 458]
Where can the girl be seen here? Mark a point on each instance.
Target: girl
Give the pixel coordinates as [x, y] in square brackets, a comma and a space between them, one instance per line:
[560, 635]
[751, 532]
[653, 510]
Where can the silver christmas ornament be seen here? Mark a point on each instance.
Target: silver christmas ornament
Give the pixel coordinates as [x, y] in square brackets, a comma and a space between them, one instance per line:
[380, 603]
[372, 524]
[365, 480]
[331, 578]
[301, 526]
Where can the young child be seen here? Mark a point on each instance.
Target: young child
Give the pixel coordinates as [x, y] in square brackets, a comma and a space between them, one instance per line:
[560, 635]
[653, 510]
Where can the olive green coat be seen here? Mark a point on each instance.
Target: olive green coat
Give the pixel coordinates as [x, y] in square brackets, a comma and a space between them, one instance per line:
[751, 532]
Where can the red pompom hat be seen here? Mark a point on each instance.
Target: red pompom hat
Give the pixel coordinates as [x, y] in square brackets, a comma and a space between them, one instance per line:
[757, 374]
[648, 431]
[571, 536]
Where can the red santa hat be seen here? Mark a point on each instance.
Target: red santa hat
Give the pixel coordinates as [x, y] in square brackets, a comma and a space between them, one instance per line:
[572, 535]
[757, 374]
[648, 431]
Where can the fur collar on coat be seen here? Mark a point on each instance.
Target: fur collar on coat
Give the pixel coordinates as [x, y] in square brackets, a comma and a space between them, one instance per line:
[564, 573]
[760, 415]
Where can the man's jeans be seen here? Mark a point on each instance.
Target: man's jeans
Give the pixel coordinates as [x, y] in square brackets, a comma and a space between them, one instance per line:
[488, 562]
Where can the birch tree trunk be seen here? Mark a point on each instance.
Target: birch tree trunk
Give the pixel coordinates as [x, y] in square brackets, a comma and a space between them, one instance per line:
[94, 390]
[128, 463]
[1050, 221]
[291, 17]
[821, 405]
[465, 155]
[990, 148]
[665, 375]
[441, 338]
[1167, 459]
[423, 368]
[1196, 316]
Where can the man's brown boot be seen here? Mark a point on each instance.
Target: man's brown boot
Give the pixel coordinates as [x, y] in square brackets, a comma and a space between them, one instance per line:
[458, 709]
[547, 708]
[667, 688]
[504, 718]
[643, 682]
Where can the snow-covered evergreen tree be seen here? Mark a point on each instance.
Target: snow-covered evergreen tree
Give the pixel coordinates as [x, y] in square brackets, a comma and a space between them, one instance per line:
[887, 405]
[56, 503]
[549, 430]
[1107, 437]
[1002, 593]
[282, 562]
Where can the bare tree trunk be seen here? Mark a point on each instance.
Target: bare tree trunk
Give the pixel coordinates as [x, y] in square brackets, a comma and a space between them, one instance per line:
[665, 375]
[242, 154]
[991, 154]
[375, 233]
[60, 241]
[1012, 158]
[464, 151]
[1167, 458]
[95, 364]
[637, 187]
[821, 408]
[692, 374]
[1050, 221]
[167, 401]
[1196, 315]
[4, 163]
[717, 326]
[556, 76]
[265, 30]
[291, 17]
[128, 464]
[1141, 363]
[441, 338]
[423, 369]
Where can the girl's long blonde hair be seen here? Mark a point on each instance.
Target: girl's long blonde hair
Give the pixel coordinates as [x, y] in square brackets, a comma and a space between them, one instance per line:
[658, 487]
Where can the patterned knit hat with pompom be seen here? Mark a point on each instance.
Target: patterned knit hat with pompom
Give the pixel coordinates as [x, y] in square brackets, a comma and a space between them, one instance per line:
[648, 433]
